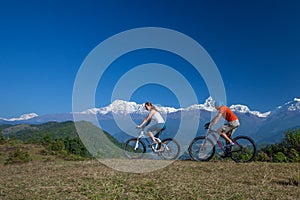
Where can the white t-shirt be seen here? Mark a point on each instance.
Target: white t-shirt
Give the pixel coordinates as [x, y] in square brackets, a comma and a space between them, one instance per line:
[158, 118]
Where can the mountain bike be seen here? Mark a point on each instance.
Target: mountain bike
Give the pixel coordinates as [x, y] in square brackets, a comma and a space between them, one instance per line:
[203, 148]
[135, 148]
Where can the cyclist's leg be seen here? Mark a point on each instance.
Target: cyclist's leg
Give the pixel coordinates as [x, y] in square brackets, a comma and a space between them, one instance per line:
[222, 132]
[232, 126]
[154, 128]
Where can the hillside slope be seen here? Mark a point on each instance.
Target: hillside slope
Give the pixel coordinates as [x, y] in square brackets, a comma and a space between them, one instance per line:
[180, 180]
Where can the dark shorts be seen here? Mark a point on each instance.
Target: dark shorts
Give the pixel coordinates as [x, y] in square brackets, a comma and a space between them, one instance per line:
[156, 127]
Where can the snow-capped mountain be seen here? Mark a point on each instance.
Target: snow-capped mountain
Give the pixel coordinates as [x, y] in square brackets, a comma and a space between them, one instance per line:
[21, 118]
[125, 107]
[266, 126]
[121, 107]
[116, 107]
[244, 109]
[291, 105]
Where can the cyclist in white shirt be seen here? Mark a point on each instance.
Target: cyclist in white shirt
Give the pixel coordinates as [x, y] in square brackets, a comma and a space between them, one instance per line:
[154, 114]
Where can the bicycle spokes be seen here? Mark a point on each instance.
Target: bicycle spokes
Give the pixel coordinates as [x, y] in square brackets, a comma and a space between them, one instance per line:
[243, 150]
[201, 149]
[170, 149]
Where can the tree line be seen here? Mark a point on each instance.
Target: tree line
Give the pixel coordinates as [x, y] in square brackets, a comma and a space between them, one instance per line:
[72, 148]
[286, 151]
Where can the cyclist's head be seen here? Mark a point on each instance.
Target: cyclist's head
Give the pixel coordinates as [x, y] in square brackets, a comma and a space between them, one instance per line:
[150, 106]
[218, 103]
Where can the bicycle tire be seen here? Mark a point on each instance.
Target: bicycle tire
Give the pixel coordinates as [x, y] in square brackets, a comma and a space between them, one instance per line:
[129, 149]
[171, 149]
[196, 151]
[244, 149]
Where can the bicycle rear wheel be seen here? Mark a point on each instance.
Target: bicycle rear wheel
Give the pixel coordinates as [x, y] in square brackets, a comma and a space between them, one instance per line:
[134, 149]
[170, 149]
[244, 149]
[202, 149]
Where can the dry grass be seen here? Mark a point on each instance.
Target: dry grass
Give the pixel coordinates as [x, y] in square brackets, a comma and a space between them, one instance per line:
[180, 180]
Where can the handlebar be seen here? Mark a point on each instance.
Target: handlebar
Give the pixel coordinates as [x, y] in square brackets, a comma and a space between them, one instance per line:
[140, 127]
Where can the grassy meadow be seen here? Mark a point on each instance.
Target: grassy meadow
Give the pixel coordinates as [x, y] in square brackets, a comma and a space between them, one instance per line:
[91, 179]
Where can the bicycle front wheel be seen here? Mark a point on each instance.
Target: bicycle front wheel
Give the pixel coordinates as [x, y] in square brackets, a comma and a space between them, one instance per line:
[134, 148]
[170, 149]
[244, 149]
[202, 149]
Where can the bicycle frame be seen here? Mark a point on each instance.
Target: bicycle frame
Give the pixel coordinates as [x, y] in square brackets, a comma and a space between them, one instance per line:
[217, 140]
[203, 148]
[168, 148]
[142, 135]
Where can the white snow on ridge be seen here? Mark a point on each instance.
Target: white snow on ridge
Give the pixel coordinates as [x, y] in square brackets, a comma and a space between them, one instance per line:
[291, 105]
[244, 109]
[294, 105]
[22, 117]
[125, 107]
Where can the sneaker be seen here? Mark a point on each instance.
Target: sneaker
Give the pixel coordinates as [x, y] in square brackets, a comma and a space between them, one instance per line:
[229, 145]
[159, 147]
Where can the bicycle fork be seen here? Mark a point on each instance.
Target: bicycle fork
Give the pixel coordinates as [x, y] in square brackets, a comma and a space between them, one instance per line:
[137, 141]
[136, 144]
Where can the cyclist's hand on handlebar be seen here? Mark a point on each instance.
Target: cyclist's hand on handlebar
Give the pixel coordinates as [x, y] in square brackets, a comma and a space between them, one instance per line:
[139, 126]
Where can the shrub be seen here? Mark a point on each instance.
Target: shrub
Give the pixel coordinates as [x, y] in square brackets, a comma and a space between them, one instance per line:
[18, 156]
[280, 158]
[294, 156]
[1, 137]
[262, 156]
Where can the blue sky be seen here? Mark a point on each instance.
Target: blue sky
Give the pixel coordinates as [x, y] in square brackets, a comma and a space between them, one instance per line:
[255, 45]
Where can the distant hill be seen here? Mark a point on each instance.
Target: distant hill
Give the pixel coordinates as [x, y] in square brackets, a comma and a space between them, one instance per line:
[120, 118]
[97, 141]
[26, 132]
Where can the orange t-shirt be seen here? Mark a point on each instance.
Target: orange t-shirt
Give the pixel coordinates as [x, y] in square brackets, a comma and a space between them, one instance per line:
[227, 114]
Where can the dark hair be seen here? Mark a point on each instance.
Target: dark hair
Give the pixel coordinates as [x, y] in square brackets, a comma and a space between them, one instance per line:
[151, 105]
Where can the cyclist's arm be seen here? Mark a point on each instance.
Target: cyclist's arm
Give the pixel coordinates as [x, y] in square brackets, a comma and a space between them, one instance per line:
[147, 119]
[215, 120]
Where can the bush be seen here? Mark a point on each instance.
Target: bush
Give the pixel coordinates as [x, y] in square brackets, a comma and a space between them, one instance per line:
[280, 158]
[1, 137]
[18, 156]
[294, 156]
[262, 156]
[286, 151]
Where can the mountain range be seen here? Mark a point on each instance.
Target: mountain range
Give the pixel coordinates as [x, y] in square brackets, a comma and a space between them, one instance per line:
[268, 127]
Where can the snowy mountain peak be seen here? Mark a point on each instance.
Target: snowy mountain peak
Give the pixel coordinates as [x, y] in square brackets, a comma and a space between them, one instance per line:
[291, 105]
[297, 99]
[22, 117]
[240, 108]
[294, 105]
[244, 109]
[209, 104]
[116, 107]
[124, 107]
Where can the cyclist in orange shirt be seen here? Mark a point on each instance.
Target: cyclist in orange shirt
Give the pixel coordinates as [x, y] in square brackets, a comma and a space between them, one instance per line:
[230, 117]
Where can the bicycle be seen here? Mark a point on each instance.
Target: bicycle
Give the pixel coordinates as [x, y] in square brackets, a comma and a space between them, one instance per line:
[202, 148]
[167, 149]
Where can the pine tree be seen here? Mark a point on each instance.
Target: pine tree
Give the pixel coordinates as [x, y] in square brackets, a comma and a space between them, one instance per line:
[1, 136]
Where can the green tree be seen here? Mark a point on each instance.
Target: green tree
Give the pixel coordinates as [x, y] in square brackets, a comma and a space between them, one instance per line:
[1, 136]
[286, 151]
[280, 157]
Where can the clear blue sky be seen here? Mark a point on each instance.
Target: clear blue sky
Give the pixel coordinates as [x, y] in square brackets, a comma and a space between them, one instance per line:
[255, 45]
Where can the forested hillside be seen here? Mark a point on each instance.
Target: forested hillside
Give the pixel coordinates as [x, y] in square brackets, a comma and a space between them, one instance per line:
[19, 143]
